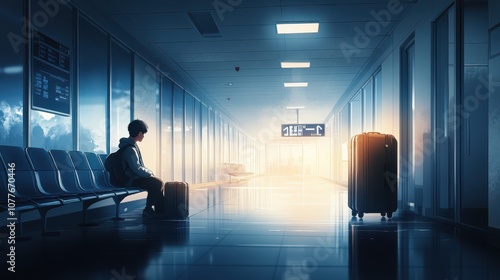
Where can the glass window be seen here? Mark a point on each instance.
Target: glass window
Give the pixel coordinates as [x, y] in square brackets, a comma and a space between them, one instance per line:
[217, 143]
[212, 142]
[445, 100]
[178, 146]
[356, 117]
[93, 87]
[189, 168]
[474, 132]
[368, 107]
[225, 141]
[233, 141]
[204, 142]
[166, 128]
[407, 127]
[335, 148]
[121, 78]
[11, 74]
[344, 143]
[147, 108]
[48, 130]
[377, 101]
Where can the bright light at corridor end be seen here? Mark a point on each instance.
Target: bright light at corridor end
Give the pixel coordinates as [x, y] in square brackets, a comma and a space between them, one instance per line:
[295, 64]
[296, 84]
[296, 28]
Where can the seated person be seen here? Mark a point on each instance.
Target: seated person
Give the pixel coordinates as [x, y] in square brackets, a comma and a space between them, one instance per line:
[140, 176]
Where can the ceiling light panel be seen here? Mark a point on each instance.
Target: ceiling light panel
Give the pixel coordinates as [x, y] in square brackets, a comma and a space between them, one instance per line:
[295, 64]
[297, 28]
[301, 84]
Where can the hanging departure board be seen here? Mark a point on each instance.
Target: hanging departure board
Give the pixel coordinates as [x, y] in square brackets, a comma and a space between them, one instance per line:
[300, 130]
[50, 76]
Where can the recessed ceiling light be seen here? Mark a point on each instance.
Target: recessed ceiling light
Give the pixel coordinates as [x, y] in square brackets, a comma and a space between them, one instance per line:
[295, 64]
[302, 84]
[296, 28]
[295, 107]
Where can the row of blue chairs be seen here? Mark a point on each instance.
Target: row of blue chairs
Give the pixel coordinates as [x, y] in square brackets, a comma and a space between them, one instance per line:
[47, 179]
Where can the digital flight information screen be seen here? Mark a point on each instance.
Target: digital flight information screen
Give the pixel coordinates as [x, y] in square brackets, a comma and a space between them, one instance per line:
[50, 76]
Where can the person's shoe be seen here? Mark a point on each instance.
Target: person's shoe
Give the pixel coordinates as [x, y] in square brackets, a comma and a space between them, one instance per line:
[148, 213]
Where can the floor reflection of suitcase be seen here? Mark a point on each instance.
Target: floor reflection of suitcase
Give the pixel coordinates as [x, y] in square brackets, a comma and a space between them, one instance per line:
[372, 185]
[373, 251]
[176, 200]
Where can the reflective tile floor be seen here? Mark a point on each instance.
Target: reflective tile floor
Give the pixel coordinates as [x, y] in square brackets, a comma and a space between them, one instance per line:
[265, 228]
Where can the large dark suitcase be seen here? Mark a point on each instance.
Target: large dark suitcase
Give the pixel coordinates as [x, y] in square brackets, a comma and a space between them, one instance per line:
[176, 200]
[372, 168]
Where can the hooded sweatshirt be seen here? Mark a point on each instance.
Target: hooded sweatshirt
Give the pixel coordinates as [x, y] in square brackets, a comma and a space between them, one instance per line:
[134, 165]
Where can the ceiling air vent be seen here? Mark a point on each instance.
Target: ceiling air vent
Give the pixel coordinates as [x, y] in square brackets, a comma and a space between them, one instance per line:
[204, 22]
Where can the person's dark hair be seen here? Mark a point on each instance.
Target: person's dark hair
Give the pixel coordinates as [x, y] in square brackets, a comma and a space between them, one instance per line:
[137, 126]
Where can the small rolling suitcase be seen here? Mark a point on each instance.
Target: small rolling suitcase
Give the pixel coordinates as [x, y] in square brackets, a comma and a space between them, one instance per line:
[176, 200]
[372, 168]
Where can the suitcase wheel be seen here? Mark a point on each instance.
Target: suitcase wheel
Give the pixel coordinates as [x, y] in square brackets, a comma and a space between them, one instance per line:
[354, 213]
[361, 214]
[389, 215]
[382, 214]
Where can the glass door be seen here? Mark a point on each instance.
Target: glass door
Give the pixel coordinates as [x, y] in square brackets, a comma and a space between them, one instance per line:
[407, 147]
[445, 112]
[474, 116]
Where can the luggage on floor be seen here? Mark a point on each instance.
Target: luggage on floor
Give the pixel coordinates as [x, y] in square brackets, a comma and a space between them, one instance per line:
[176, 200]
[372, 171]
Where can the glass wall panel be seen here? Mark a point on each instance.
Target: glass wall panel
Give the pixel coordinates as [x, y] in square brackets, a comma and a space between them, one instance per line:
[225, 141]
[147, 108]
[200, 160]
[377, 101]
[178, 147]
[408, 149]
[231, 144]
[12, 49]
[166, 129]
[93, 87]
[51, 131]
[368, 106]
[218, 159]
[48, 130]
[356, 116]
[239, 146]
[445, 100]
[189, 168]
[212, 142]
[344, 143]
[121, 80]
[474, 128]
[335, 146]
[206, 142]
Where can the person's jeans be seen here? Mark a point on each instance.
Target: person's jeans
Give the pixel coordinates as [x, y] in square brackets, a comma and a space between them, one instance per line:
[154, 187]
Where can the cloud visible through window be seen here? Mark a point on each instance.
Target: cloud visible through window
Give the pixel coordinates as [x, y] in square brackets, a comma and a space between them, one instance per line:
[11, 123]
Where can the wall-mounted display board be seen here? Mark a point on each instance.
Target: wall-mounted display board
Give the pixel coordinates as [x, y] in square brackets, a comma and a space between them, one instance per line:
[50, 88]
